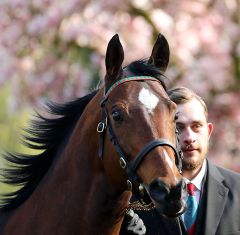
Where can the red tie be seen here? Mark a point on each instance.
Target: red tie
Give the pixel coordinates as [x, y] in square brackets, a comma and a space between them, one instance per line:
[190, 188]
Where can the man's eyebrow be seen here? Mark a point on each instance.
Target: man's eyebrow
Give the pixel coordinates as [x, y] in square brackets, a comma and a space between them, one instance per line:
[197, 122]
[191, 123]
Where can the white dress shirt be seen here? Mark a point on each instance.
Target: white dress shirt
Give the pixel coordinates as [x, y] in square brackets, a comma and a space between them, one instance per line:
[197, 181]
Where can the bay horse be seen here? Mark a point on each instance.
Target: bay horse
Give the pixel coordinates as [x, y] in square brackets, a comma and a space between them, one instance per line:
[99, 149]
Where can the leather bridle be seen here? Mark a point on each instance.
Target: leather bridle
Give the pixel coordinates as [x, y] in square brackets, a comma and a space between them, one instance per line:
[131, 167]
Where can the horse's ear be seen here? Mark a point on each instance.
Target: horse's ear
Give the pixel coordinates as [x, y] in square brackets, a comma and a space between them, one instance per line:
[160, 53]
[114, 57]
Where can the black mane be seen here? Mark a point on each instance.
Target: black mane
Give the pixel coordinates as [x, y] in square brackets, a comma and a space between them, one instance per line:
[47, 135]
[44, 134]
[142, 68]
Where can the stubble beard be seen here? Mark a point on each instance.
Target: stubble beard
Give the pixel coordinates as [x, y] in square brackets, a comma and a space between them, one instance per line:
[190, 165]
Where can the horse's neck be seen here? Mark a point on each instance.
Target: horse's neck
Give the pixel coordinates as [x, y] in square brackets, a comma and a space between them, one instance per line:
[104, 211]
[100, 205]
[75, 196]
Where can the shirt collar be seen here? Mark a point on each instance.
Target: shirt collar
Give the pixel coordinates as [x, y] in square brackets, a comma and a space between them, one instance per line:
[197, 181]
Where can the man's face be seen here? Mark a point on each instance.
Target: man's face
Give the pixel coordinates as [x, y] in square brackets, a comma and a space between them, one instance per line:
[194, 133]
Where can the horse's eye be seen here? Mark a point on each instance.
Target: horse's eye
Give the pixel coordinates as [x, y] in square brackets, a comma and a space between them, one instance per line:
[116, 115]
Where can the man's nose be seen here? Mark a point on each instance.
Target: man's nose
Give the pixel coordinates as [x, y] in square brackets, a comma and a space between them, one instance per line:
[189, 136]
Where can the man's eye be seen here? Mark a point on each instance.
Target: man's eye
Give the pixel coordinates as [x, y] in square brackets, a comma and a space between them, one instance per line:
[197, 126]
[116, 115]
[179, 128]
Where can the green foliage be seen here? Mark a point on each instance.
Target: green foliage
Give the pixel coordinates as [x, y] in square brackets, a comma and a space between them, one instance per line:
[11, 125]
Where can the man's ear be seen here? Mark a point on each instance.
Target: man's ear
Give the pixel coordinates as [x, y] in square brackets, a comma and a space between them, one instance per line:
[210, 129]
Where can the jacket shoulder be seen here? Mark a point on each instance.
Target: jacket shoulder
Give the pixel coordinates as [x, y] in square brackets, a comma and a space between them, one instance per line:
[231, 178]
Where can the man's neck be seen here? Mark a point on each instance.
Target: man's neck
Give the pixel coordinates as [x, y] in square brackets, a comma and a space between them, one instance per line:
[191, 174]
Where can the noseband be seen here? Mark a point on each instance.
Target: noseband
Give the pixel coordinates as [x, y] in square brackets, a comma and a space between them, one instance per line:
[131, 167]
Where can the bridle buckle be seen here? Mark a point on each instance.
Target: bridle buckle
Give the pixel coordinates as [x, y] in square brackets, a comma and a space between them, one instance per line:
[129, 185]
[102, 126]
[122, 162]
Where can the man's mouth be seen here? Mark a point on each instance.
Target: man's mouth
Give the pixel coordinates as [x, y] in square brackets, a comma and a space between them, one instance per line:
[189, 148]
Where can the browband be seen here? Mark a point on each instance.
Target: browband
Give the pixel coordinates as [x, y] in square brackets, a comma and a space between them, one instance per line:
[128, 79]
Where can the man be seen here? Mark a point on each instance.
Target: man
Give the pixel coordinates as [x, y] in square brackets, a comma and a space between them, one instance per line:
[216, 190]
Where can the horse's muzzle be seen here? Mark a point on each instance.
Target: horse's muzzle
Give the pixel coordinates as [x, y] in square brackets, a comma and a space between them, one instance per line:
[169, 202]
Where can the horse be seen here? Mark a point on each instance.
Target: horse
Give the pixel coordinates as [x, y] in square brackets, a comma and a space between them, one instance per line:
[96, 151]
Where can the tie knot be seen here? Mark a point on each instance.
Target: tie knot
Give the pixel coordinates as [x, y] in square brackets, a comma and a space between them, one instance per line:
[191, 188]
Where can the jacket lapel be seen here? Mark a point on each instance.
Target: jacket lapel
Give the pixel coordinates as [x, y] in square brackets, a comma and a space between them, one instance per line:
[216, 199]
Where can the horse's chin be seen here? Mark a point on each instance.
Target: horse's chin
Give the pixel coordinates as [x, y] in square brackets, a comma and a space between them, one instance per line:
[169, 202]
[171, 211]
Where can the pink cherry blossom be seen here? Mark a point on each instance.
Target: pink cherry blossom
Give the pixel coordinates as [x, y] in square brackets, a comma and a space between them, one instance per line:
[52, 49]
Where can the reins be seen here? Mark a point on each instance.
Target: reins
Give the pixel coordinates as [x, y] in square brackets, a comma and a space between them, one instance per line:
[133, 182]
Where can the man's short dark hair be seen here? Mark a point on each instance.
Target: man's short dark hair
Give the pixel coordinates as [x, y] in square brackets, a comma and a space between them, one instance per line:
[182, 95]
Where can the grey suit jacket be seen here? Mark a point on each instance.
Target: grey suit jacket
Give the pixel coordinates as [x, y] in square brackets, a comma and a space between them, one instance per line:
[221, 216]
[223, 202]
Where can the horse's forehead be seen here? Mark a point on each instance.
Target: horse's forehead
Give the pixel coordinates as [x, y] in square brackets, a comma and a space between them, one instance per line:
[151, 91]
[148, 99]
[149, 94]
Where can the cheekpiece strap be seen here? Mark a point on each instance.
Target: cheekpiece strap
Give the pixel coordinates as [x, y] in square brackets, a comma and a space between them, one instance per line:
[128, 79]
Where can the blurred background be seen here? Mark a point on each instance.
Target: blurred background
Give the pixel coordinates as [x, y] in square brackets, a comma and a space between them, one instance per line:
[55, 50]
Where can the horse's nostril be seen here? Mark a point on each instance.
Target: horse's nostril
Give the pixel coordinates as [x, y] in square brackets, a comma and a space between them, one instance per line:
[178, 191]
[158, 190]
[167, 201]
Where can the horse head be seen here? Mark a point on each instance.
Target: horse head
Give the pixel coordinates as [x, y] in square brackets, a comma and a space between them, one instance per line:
[140, 121]
[136, 144]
